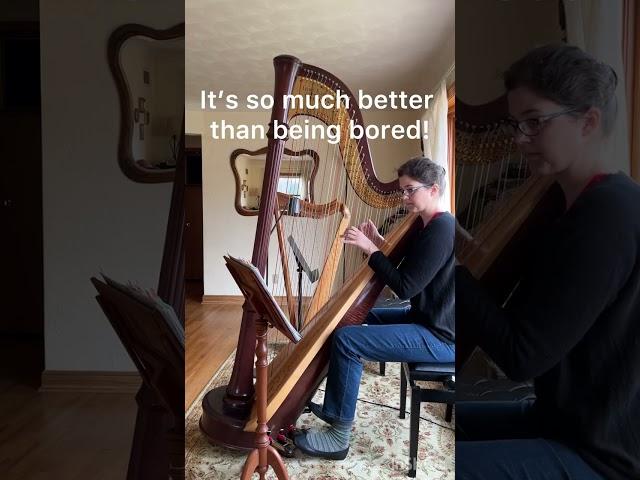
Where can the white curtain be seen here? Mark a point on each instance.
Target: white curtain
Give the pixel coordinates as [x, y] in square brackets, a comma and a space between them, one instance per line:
[436, 145]
[596, 27]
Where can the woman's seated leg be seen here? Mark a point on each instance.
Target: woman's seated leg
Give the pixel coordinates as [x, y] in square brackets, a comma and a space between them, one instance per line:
[530, 459]
[497, 420]
[350, 346]
[388, 315]
[501, 441]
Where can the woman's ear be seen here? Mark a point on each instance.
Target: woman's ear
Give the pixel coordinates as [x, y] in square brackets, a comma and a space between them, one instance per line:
[591, 121]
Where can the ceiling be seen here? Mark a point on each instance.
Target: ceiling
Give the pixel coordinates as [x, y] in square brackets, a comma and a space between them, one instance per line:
[374, 45]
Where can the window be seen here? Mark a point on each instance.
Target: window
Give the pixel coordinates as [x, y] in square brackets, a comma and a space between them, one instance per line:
[293, 185]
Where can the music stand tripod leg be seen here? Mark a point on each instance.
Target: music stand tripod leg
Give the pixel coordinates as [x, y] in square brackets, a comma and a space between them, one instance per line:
[250, 465]
[264, 454]
[275, 461]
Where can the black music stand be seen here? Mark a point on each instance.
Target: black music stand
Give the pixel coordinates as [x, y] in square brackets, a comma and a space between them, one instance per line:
[255, 291]
[302, 267]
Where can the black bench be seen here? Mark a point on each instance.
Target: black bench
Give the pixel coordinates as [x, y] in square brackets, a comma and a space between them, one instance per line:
[430, 372]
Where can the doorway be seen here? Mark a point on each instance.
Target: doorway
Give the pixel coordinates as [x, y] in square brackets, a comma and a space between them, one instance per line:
[21, 282]
[194, 269]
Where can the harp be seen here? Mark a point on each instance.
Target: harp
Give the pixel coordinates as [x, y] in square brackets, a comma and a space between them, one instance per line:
[292, 225]
[498, 201]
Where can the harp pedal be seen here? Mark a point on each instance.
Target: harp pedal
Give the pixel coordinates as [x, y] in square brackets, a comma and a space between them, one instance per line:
[283, 444]
[292, 431]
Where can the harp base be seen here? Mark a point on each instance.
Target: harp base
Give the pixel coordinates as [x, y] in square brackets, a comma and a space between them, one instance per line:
[219, 427]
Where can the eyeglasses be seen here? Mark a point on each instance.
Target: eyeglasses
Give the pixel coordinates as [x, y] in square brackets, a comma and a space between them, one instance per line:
[411, 190]
[531, 126]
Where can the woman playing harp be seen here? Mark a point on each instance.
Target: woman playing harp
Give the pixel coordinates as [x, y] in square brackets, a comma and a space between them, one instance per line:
[571, 323]
[423, 332]
[346, 289]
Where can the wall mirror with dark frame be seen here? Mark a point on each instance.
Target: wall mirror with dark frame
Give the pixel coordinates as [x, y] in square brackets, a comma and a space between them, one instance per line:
[148, 69]
[297, 176]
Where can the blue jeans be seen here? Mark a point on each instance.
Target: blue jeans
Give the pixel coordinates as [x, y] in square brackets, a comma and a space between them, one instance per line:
[386, 337]
[501, 441]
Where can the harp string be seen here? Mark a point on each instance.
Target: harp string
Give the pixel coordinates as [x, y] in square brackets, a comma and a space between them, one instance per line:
[331, 181]
[489, 170]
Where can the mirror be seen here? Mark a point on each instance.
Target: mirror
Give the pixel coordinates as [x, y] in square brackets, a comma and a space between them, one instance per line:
[148, 68]
[297, 175]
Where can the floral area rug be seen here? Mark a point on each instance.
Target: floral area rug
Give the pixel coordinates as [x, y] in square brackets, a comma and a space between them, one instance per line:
[379, 442]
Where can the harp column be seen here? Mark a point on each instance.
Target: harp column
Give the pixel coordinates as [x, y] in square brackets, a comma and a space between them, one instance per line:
[239, 394]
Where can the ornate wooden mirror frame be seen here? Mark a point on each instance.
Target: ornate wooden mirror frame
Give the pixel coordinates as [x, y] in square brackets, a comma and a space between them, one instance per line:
[312, 154]
[126, 160]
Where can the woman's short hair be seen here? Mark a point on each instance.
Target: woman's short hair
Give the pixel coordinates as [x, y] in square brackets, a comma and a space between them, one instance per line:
[568, 76]
[424, 171]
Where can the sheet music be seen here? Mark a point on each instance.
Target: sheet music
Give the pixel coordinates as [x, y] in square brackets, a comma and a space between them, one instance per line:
[256, 273]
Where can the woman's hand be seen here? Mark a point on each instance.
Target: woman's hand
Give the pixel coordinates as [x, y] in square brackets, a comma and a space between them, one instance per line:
[370, 230]
[354, 236]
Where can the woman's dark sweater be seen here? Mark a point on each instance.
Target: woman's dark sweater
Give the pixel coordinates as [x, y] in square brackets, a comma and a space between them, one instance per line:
[426, 276]
[573, 325]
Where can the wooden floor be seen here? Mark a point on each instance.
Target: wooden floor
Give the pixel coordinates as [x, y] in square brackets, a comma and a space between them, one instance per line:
[77, 436]
[211, 336]
[74, 436]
